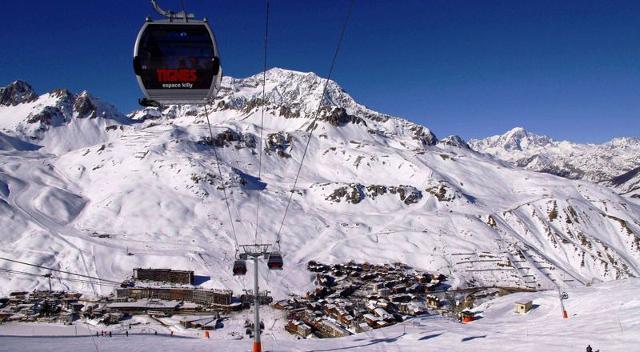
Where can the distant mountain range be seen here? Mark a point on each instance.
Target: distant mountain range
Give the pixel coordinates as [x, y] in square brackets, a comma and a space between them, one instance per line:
[615, 163]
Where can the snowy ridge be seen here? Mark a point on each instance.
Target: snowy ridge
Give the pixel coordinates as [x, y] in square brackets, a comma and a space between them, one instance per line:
[600, 163]
[373, 188]
[58, 121]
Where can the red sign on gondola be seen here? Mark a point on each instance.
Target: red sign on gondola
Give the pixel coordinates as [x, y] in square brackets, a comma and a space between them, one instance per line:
[176, 75]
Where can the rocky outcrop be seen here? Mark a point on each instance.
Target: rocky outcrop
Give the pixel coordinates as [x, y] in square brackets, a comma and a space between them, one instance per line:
[454, 141]
[47, 116]
[278, 143]
[338, 117]
[408, 194]
[231, 137]
[16, 93]
[146, 114]
[441, 192]
[84, 107]
[423, 135]
[288, 113]
[354, 193]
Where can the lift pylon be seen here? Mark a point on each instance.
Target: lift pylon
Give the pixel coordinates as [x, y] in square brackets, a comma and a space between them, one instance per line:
[255, 252]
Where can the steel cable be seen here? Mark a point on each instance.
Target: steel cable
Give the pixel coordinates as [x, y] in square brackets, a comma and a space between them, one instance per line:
[315, 119]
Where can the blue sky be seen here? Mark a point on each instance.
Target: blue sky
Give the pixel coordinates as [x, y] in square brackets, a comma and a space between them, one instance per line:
[568, 69]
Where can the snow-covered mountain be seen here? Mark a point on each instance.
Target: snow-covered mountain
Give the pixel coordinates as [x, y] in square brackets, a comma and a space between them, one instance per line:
[93, 191]
[58, 121]
[614, 163]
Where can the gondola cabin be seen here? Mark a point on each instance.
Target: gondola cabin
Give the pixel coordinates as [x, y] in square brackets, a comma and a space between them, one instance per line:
[177, 62]
[239, 268]
[275, 261]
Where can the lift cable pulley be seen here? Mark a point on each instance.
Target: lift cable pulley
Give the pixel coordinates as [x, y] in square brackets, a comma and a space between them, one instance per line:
[170, 14]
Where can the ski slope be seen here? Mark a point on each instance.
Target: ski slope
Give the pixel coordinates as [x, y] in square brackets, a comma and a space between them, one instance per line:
[606, 316]
[103, 193]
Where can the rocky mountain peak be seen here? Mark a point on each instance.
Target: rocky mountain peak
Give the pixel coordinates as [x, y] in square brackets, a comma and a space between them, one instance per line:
[298, 93]
[518, 139]
[17, 92]
[84, 106]
[454, 141]
[623, 142]
[606, 163]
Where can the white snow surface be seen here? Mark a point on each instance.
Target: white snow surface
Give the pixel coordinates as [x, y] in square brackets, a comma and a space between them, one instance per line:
[151, 184]
[605, 316]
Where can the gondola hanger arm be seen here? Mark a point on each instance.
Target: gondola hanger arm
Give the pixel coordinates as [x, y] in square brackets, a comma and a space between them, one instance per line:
[170, 14]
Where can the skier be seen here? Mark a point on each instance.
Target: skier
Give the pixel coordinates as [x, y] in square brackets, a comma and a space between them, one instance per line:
[109, 333]
[126, 332]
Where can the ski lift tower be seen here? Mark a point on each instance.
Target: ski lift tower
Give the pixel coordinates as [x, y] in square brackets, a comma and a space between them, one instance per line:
[274, 262]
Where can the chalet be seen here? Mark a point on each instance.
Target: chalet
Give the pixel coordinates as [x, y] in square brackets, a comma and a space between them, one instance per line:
[298, 327]
[382, 313]
[523, 307]
[371, 319]
[369, 276]
[332, 329]
[415, 288]
[347, 291]
[423, 278]
[412, 309]
[325, 280]
[466, 316]
[202, 323]
[360, 327]
[433, 302]
[283, 304]
[343, 316]
[383, 303]
[401, 298]
[330, 310]
[5, 315]
[111, 318]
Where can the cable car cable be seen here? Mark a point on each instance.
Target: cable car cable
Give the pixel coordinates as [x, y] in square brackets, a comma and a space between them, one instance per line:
[264, 102]
[315, 119]
[10, 271]
[224, 188]
[58, 270]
